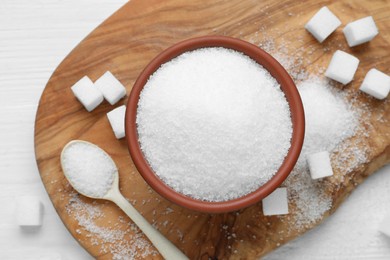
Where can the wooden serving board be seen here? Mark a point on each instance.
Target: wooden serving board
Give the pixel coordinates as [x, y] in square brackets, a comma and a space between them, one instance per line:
[124, 44]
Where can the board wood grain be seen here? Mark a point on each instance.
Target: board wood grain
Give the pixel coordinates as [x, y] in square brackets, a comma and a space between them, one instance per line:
[127, 41]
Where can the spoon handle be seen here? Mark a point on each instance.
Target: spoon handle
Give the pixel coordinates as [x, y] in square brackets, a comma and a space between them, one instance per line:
[168, 250]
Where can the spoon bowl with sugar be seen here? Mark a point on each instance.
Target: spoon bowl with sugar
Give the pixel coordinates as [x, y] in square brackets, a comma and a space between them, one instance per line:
[93, 173]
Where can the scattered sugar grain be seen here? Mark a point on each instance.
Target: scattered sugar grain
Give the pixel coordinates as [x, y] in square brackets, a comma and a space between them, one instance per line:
[121, 242]
[310, 197]
[329, 118]
[330, 121]
[215, 138]
[89, 169]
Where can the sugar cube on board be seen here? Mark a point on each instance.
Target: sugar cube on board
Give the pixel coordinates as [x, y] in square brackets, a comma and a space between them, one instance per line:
[319, 165]
[360, 31]
[276, 203]
[342, 67]
[110, 87]
[376, 84]
[116, 117]
[86, 92]
[322, 24]
[29, 211]
[384, 226]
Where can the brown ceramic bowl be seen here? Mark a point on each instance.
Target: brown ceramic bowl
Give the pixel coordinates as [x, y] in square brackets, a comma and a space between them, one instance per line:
[287, 86]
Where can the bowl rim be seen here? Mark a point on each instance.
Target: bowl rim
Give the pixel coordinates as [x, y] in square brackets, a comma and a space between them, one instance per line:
[273, 67]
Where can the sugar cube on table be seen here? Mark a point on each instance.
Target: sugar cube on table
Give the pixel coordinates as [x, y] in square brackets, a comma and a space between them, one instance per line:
[116, 117]
[29, 212]
[110, 87]
[384, 226]
[86, 92]
[322, 24]
[360, 31]
[342, 67]
[376, 84]
[276, 203]
[319, 165]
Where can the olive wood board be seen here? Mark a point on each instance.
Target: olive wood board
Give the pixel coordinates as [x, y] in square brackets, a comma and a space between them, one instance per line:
[126, 42]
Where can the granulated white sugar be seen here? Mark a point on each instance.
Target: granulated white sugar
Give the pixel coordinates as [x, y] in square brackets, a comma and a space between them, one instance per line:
[88, 168]
[342, 131]
[213, 124]
[123, 240]
[330, 120]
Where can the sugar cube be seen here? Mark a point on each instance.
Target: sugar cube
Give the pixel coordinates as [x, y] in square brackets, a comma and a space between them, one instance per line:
[319, 165]
[276, 203]
[110, 87]
[342, 67]
[86, 92]
[116, 117]
[322, 24]
[384, 226]
[360, 31]
[29, 211]
[376, 84]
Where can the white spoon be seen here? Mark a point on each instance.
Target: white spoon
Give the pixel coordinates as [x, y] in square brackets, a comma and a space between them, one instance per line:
[87, 151]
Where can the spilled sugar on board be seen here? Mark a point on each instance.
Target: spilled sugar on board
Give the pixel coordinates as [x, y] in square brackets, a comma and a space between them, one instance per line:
[332, 120]
[122, 239]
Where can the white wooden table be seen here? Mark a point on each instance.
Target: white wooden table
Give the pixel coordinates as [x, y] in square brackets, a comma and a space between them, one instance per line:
[35, 35]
